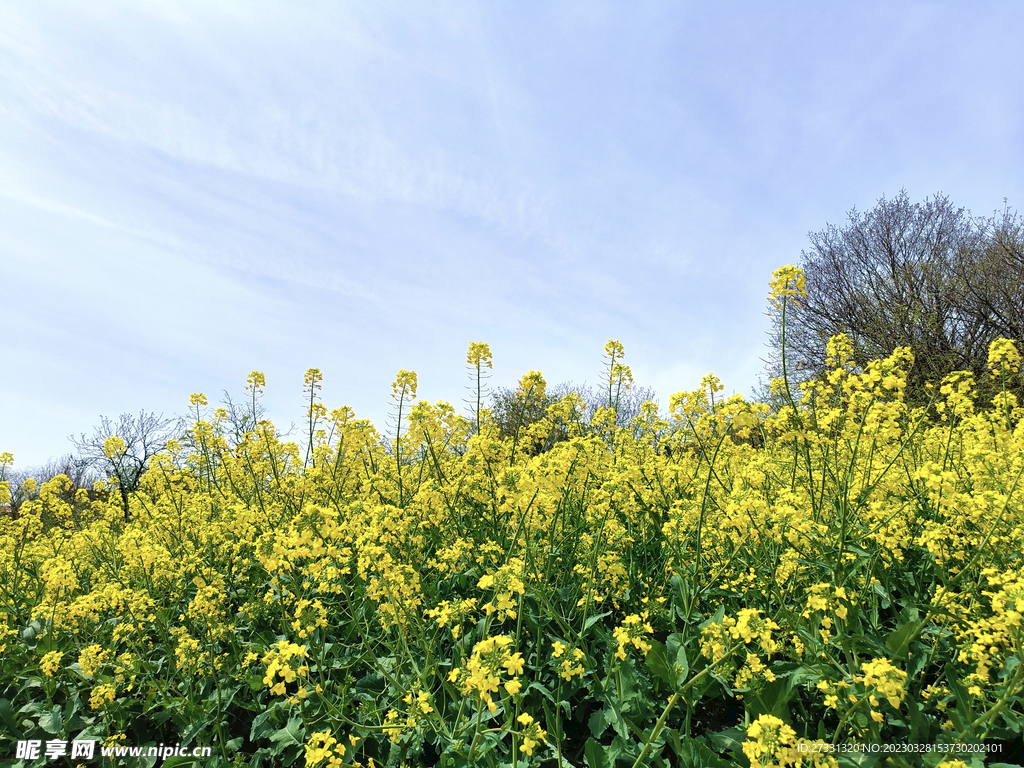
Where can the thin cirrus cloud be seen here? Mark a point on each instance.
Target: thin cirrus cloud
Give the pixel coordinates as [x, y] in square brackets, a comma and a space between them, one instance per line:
[194, 190]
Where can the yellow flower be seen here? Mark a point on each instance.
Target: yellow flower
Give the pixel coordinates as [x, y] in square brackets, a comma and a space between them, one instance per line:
[532, 733]
[285, 661]
[255, 382]
[113, 446]
[569, 667]
[51, 663]
[404, 385]
[1002, 353]
[479, 355]
[92, 659]
[102, 695]
[514, 664]
[886, 679]
[769, 742]
[632, 631]
[787, 283]
[322, 747]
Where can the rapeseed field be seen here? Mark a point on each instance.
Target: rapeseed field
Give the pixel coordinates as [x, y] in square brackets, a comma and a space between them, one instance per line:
[834, 580]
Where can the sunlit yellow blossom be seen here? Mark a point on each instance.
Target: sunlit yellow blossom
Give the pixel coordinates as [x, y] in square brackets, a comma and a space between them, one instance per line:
[770, 742]
[101, 696]
[323, 749]
[633, 630]
[787, 283]
[285, 664]
[51, 663]
[532, 733]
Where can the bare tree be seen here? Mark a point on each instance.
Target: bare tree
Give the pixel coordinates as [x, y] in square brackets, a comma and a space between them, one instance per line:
[123, 450]
[993, 274]
[924, 275]
[242, 417]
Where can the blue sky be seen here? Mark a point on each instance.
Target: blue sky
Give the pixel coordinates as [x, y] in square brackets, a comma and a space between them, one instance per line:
[193, 190]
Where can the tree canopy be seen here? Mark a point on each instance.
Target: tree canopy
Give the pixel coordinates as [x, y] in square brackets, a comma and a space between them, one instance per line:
[926, 275]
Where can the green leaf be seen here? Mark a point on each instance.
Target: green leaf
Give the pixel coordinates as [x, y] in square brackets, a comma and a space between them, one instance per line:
[771, 700]
[1008, 667]
[30, 635]
[681, 595]
[964, 714]
[694, 753]
[658, 663]
[622, 746]
[595, 755]
[260, 725]
[730, 740]
[598, 723]
[630, 688]
[799, 674]
[181, 760]
[195, 729]
[614, 718]
[916, 720]
[594, 619]
[899, 641]
[918, 660]
[291, 734]
[884, 594]
[8, 716]
[53, 721]
[682, 666]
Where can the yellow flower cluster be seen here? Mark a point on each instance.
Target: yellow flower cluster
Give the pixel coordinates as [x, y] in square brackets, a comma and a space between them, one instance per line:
[787, 283]
[309, 615]
[447, 613]
[492, 658]
[51, 663]
[881, 678]
[532, 734]
[102, 695]
[505, 583]
[1003, 355]
[92, 659]
[285, 664]
[825, 599]
[770, 743]
[719, 640]
[569, 667]
[633, 630]
[323, 749]
[479, 355]
[750, 626]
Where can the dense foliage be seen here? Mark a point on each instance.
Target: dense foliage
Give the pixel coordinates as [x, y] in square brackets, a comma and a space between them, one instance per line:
[718, 585]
